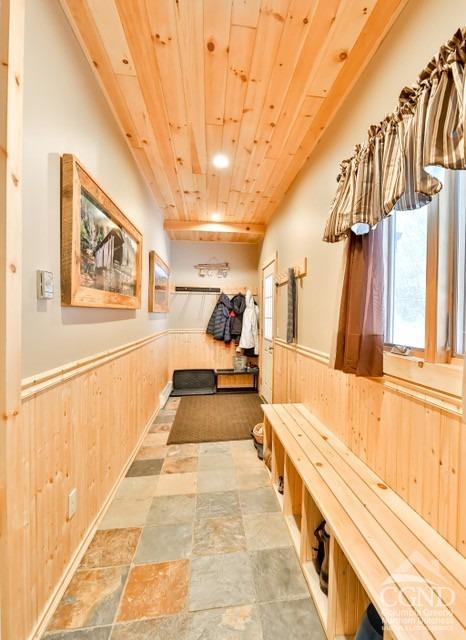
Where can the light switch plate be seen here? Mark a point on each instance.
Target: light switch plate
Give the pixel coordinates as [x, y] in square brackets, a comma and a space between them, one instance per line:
[44, 285]
[72, 503]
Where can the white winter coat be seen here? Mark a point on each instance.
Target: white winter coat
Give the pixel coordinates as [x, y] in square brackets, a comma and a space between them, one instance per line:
[249, 333]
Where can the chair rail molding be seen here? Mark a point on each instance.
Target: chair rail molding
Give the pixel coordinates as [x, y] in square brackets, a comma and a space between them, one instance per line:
[48, 379]
[436, 385]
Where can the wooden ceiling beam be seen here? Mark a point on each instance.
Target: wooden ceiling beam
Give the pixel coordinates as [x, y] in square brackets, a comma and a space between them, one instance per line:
[214, 227]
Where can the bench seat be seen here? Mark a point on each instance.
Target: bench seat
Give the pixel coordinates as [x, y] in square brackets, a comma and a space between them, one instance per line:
[411, 574]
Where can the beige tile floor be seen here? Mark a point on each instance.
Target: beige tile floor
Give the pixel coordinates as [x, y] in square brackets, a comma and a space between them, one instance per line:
[192, 547]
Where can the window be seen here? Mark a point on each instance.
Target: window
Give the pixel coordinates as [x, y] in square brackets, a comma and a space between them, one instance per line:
[425, 282]
[406, 278]
[459, 316]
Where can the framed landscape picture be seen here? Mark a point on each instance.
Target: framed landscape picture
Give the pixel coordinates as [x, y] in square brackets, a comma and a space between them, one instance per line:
[101, 250]
[159, 274]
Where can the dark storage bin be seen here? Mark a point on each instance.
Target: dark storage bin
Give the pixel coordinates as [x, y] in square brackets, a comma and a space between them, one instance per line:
[193, 382]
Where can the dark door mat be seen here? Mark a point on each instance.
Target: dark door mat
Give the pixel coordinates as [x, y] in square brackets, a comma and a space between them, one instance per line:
[216, 418]
[188, 382]
[203, 391]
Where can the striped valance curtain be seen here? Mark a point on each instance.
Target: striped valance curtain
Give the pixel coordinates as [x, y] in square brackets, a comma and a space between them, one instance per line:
[390, 170]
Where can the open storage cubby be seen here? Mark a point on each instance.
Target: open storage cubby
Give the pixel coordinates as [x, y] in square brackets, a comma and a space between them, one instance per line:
[340, 611]
[324, 482]
[278, 464]
[347, 598]
[292, 502]
[267, 444]
[311, 519]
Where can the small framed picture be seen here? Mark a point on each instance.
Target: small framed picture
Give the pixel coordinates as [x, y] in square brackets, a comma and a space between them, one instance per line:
[159, 275]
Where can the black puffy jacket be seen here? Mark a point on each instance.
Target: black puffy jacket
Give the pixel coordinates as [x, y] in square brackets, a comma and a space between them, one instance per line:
[238, 304]
[220, 322]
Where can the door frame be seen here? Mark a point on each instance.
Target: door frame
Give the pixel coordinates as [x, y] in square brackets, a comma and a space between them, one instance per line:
[11, 142]
[273, 258]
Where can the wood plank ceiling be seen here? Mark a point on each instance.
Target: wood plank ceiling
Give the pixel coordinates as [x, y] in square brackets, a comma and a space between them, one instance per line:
[256, 80]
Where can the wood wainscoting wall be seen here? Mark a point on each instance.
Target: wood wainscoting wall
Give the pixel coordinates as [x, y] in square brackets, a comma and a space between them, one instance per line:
[417, 447]
[80, 428]
[195, 349]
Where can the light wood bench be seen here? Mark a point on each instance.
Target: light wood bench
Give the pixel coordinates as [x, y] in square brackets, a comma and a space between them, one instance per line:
[381, 550]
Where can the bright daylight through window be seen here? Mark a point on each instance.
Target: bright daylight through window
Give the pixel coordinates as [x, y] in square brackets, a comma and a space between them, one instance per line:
[459, 324]
[406, 265]
[425, 271]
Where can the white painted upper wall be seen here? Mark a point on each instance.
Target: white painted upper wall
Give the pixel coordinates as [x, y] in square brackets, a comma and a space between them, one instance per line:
[297, 228]
[193, 310]
[65, 112]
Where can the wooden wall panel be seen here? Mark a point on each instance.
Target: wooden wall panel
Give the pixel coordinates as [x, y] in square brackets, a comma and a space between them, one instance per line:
[194, 349]
[414, 446]
[79, 430]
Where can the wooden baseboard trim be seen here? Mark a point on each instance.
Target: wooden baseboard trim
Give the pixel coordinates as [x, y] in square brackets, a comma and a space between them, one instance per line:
[181, 331]
[60, 589]
[48, 379]
[165, 394]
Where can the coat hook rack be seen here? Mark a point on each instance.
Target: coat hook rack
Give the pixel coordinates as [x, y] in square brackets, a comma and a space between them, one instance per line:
[300, 270]
[231, 290]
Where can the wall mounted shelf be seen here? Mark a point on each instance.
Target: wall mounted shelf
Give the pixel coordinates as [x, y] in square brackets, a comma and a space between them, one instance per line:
[300, 270]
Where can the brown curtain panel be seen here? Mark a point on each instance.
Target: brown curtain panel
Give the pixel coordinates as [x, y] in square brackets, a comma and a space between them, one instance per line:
[359, 346]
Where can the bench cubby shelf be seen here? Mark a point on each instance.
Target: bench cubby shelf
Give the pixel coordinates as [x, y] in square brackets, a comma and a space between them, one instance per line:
[292, 501]
[278, 465]
[302, 517]
[347, 597]
[375, 536]
[341, 610]
[312, 518]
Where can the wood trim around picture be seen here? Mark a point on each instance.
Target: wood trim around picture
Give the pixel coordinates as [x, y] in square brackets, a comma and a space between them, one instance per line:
[101, 250]
[159, 276]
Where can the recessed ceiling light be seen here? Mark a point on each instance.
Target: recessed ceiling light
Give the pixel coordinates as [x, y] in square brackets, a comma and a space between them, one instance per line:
[216, 217]
[221, 161]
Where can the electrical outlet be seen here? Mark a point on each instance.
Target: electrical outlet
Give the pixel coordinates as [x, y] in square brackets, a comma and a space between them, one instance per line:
[72, 503]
